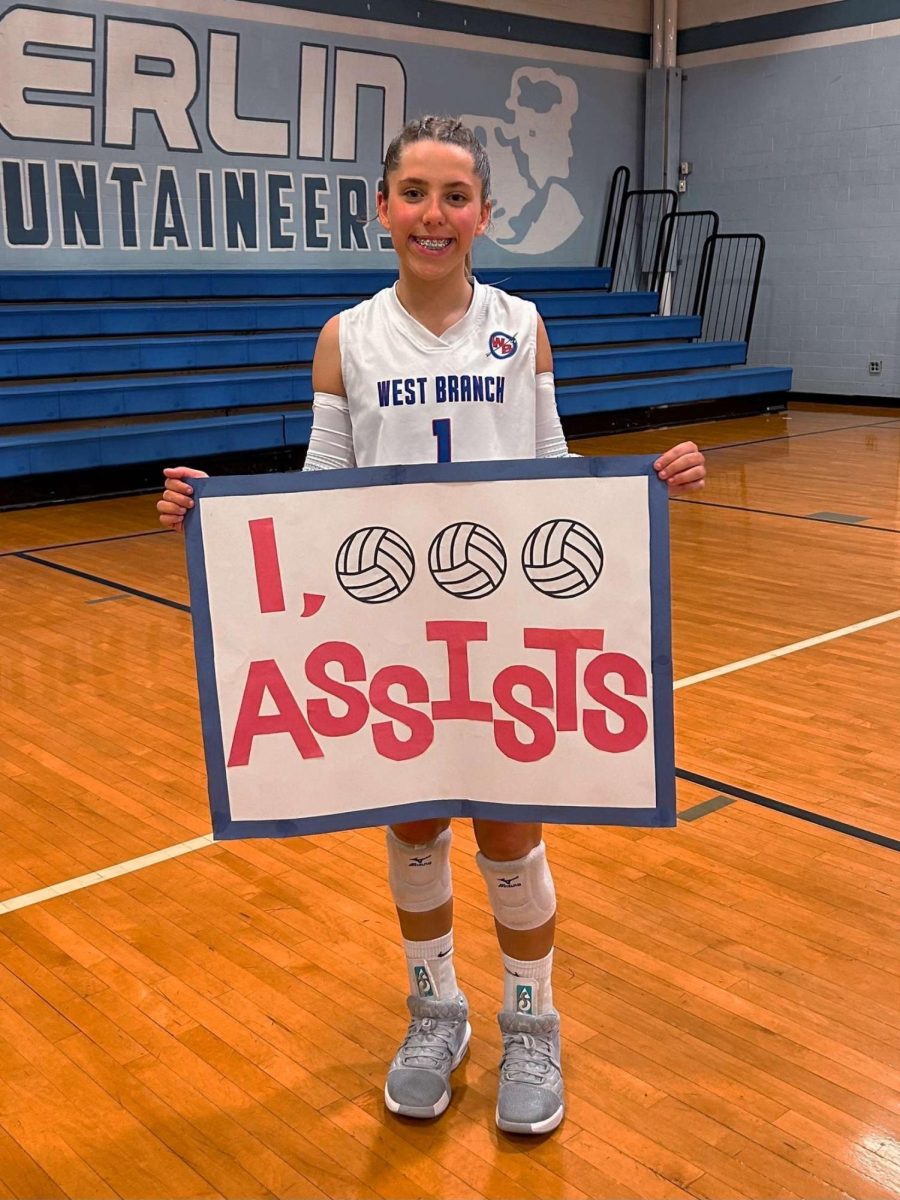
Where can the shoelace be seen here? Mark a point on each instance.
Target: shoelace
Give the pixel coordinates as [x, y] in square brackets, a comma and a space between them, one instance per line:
[428, 1043]
[526, 1058]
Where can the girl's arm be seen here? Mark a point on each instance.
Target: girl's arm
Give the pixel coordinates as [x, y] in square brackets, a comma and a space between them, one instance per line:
[550, 441]
[543, 357]
[683, 467]
[331, 439]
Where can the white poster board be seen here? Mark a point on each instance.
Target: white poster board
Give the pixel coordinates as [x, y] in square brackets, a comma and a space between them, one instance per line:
[481, 639]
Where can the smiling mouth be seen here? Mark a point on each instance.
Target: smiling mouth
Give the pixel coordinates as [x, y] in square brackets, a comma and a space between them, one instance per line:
[433, 244]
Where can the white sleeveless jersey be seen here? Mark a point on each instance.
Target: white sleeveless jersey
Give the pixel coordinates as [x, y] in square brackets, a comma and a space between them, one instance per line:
[418, 398]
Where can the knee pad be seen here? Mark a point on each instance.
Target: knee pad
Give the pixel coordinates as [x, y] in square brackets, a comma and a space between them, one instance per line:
[419, 875]
[521, 892]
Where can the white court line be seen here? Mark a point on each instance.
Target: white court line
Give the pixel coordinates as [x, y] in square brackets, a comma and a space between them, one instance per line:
[783, 650]
[125, 868]
[149, 860]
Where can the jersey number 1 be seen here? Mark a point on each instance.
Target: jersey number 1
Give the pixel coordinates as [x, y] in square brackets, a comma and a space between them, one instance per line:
[440, 427]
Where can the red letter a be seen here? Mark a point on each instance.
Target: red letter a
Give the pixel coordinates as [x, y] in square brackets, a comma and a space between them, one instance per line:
[263, 677]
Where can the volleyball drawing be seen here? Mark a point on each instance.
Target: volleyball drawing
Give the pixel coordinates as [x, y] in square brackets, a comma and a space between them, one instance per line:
[375, 565]
[467, 560]
[562, 558]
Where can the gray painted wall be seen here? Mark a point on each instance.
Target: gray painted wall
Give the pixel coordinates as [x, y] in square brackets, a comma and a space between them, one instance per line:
[804, 148]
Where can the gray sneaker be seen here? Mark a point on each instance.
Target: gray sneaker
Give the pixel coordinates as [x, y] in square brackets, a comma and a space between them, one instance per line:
[530, 1099]
[418, 1082]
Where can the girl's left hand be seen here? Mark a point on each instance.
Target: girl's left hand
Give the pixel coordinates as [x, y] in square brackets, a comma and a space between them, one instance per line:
[683, 468]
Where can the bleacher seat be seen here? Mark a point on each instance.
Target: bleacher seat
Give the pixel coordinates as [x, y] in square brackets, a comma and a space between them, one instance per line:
[104, 370]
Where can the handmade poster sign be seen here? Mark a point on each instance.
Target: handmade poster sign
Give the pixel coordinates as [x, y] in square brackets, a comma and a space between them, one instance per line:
[388, 644]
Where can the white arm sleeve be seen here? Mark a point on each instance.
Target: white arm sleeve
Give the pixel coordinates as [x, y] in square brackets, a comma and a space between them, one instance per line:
[331, 440]
[549, 437]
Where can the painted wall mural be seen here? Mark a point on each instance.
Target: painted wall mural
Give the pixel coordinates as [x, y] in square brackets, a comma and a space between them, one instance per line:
[133, 136]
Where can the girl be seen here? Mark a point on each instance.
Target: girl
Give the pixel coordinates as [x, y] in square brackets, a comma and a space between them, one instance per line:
[435, 325]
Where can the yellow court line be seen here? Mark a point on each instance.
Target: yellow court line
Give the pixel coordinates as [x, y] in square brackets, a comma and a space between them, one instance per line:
[198, 843]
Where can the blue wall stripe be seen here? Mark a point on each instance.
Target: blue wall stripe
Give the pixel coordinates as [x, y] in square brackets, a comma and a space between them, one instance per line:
[818, 18]
[482, 22]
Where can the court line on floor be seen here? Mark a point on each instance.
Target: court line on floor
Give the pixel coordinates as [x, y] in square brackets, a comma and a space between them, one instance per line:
[819, 640]
[876, 423]
[136, 864]
[791, 810]
[788, 437]
[124, 868]
[117, 587]
[118, 537]
[768, 512]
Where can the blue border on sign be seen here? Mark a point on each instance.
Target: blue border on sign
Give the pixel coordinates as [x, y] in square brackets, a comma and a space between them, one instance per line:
[660, 816]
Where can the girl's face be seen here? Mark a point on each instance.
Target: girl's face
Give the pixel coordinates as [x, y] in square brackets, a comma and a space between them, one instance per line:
[433, 209]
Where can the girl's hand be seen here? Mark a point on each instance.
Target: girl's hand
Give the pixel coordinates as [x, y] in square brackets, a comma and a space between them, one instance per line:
[177, 497]
[683, 468]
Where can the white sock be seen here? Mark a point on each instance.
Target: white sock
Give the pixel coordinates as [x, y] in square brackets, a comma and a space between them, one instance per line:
[430, 967]
[528, 986]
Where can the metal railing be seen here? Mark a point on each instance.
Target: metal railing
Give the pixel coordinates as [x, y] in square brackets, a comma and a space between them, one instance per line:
[617, 190]
[730, 272]
[677, 269]
[648, 245]
[637, 235]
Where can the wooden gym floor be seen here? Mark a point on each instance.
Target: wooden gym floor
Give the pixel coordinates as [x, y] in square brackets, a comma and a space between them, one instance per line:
[215, 1020]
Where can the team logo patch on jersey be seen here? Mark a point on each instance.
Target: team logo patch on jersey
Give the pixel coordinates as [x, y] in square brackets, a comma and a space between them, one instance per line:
[503, 345]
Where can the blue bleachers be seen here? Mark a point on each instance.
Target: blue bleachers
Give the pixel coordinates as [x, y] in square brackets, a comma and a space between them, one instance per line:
[23, 361]
[580, 331]
[677, 389]
[140, 318]
[154, 442]
[96, 399]
[213, 285]
[121, 356]
[103, 370]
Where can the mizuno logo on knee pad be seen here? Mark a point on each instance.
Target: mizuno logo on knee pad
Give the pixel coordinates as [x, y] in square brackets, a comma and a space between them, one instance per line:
[419, 874]
[521, 891]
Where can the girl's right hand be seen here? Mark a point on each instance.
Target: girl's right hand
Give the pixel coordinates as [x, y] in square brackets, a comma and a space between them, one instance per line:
[177, 496]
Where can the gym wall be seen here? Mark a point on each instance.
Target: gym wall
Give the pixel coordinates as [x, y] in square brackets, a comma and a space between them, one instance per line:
[790, 119]
[223, 134]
